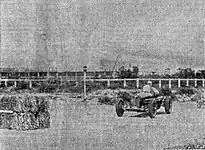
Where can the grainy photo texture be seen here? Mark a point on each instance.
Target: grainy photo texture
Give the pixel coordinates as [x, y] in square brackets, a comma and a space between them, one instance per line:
[102, 74]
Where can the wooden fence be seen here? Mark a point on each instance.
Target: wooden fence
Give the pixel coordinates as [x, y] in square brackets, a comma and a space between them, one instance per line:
[138, 81]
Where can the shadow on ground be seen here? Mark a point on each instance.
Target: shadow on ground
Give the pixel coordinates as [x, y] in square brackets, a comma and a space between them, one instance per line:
[145, 114]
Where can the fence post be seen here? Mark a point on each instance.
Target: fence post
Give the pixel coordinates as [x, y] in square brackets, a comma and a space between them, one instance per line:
[203, 82]
[137, 83]
[160, 83]
[108, 83]
[125, 83]
[195, 83]
[187, 82]
[179, 82]
[15, 83]
[170, 84]
[6, 83]
[30, 84]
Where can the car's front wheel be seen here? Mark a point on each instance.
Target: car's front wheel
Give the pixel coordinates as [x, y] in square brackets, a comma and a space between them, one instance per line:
[119, 106]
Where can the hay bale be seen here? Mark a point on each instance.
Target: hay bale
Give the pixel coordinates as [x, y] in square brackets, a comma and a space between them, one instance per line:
[5, 120]
[17, 121]
[24, 121]
[7, 103]
[29, 104]
[25, 103]
[44, 120]
[30, 112]
[42, 104]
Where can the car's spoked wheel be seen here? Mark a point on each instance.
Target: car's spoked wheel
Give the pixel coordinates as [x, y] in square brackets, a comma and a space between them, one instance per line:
[119, 106]
[152, 110]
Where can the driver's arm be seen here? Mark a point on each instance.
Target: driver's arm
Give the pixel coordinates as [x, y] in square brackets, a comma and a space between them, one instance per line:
[152, 91]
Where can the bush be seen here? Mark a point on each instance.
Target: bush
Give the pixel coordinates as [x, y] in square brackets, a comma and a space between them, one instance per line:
[92, 86]
[22, 85]
[186, 90]
[47, 87]
[115, 85]
[106, 100]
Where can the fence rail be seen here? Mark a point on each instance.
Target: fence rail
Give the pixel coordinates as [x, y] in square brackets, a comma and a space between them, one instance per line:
[138, 81]
[179, 81]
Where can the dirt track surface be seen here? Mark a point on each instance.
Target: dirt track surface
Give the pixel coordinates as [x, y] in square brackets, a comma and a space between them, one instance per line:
[86, 125]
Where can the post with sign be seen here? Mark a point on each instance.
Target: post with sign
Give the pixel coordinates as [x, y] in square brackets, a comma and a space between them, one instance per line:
[84, 70]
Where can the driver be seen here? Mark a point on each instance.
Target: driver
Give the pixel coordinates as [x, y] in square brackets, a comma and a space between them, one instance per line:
[148, 90]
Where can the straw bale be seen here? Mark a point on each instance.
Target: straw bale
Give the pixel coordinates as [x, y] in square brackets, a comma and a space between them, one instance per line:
[29, 112]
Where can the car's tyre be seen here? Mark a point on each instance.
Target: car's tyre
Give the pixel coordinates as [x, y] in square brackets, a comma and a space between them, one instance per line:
[168, 105]
[119, 106]
[152, 110]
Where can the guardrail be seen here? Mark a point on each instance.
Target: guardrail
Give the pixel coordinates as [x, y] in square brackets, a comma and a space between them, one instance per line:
[146, 79]
[21, 80]
[136, 80]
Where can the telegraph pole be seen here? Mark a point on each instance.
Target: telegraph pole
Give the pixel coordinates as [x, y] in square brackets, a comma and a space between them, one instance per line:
[84, 81]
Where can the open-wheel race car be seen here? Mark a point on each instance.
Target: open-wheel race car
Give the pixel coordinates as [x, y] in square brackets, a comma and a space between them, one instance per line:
[147, 104]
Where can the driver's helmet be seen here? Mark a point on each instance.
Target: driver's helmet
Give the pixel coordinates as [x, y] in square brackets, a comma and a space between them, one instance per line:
[149, 82]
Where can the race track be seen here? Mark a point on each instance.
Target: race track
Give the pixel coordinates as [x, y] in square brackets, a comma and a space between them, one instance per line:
[85, 125]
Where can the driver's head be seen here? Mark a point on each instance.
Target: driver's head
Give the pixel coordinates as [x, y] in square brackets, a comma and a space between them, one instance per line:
[149, 83]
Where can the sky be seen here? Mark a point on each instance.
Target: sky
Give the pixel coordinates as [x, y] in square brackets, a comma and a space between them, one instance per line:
[152, 34]
[157, 34]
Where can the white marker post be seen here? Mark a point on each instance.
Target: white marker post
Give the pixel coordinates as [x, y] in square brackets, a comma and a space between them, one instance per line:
[160, 83]
[170, 83]
[84, 70]
[137, 83]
